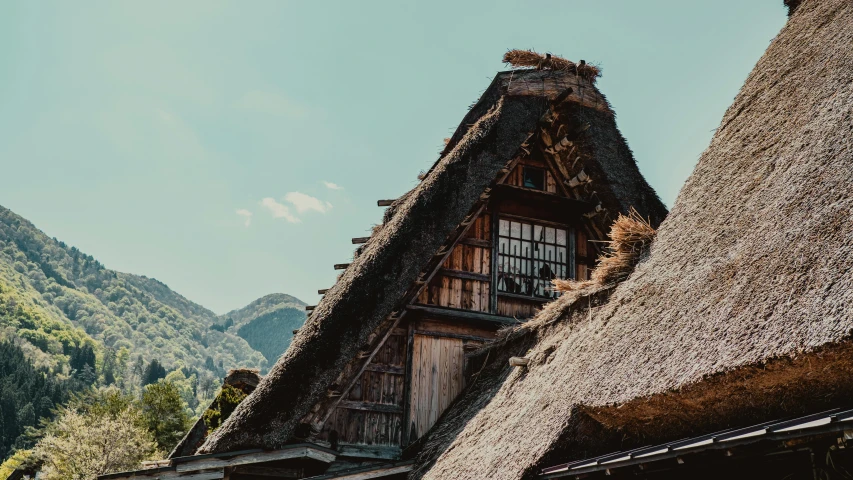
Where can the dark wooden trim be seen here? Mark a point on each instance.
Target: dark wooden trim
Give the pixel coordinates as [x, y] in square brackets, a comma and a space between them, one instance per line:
[453, 335]
[309, 308]
[449, 272]
[522, 218]
[493, 289]
[385, 203]
[385, 452]
[341, 266]
[525, 297]
[464, 315]
[322, 291]
[407, 386]
[269, 471]
[371, 471]
[370, 406]
[476, 242]
[373, 367]
[360, 240]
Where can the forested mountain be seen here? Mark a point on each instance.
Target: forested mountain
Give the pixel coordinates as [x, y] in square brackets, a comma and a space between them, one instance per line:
[73, 323]
[267, 323]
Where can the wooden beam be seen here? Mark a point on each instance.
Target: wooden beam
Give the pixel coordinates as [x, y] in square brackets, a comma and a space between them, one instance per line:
[309, 308]
[269, 471]
[468, 315]
[449, 272]
[360, 240]
[375, 367]
[476, 242]
[258, 457]
[341, 266]
[322, 291]
[365, 473]
[385, 203]
[370, 406]
[385, 452]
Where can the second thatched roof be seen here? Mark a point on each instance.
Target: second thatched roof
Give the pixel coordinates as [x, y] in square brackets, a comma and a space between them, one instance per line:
[742, 312]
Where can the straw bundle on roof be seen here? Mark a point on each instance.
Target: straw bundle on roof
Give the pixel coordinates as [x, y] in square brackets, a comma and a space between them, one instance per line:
[630, 236]
[529, 58]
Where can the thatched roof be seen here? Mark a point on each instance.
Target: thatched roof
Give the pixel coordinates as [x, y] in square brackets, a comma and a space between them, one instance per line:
[742, 312]
[243, 379]
[386, 268]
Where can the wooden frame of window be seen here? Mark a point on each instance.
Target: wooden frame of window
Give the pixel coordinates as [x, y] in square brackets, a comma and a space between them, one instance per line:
[530, 253]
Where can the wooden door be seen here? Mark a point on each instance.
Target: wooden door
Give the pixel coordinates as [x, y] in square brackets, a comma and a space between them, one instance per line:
[438, 365]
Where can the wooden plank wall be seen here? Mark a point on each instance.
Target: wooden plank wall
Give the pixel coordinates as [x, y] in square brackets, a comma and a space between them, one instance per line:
[582, 254]
[372, 412]
[451, 287]
[517, 307]
[438, 365]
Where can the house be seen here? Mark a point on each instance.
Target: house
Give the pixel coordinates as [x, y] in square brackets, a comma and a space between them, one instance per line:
[533, 176]
[727, 352]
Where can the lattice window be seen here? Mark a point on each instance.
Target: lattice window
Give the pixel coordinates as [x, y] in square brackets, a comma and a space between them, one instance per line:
[530, 256]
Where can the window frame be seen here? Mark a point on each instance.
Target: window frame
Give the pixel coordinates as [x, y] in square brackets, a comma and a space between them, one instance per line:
[498, 274]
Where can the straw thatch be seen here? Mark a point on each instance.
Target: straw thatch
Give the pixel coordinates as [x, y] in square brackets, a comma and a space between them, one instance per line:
[358, 306]
[630, 237]
[529, 58]
[743, 310]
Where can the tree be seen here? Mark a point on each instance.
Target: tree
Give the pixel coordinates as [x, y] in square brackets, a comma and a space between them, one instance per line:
[153, 372]
[82, 446]
[163, 414]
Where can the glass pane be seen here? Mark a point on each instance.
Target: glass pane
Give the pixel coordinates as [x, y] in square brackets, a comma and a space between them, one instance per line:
[549, 235]
[515, 248]
[525, 231]
[526, 249]
[504, 228]
[515, 230]
[561, 236]
[550, 254]
[537, 233]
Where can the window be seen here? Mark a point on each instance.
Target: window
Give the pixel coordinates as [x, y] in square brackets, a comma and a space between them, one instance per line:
[534, 178]
[530, 256]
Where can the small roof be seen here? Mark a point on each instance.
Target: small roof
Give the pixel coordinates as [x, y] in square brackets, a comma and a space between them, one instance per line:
[834, 420]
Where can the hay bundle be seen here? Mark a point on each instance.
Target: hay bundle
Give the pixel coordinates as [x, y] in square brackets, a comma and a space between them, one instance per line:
[529, 58]
[630, 236]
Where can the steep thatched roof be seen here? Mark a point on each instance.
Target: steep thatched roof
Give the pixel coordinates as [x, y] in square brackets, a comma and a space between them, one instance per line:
[742, 312]
[385, 269]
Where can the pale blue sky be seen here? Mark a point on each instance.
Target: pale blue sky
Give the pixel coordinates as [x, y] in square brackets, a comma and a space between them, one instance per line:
[136, 131]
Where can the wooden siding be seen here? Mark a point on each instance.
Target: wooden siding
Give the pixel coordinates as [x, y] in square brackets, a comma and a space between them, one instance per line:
[372, 412]
[465, 279]
[438, 375]
[517, 307]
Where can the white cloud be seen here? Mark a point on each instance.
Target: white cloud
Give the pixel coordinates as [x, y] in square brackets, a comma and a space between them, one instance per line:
[304, 203]
[332, 186]
[278, 210]
[245, 214]
[270, 103]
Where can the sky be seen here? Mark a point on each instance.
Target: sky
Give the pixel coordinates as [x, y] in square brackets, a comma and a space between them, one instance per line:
[233, 149]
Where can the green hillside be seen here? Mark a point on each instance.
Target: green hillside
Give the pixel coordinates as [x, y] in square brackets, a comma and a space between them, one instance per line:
[267, 324]
[78, 324]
